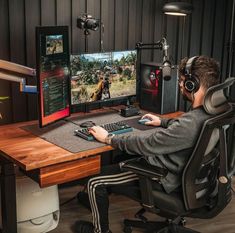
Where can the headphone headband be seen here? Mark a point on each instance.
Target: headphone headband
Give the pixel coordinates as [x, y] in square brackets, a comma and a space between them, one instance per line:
[189, 65]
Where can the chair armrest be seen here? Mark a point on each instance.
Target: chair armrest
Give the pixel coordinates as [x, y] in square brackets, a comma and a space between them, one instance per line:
[142, 167]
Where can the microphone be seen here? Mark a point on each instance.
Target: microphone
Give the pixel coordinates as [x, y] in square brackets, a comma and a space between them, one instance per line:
[166, 65]
[166, 70]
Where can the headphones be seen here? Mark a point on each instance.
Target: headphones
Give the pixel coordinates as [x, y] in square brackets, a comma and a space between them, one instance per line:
[191, 83]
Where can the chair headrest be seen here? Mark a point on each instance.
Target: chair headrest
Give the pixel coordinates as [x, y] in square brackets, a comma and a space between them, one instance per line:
[216, 98]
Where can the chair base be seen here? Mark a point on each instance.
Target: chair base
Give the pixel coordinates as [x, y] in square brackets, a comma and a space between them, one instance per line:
[155, 227]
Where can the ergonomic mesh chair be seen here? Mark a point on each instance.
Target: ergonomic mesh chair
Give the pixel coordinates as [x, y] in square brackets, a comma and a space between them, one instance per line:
[206, 179]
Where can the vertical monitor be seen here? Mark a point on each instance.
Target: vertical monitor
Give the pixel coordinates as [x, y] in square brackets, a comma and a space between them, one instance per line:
[53, 73]
[103, 76]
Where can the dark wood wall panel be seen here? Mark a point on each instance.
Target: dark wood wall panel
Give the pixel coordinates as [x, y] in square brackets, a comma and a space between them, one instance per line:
[218, 47]
[121, 24]
[48, 12]
[108, 19]
[32, 17]
[147, 27]
[196, 27]
[134, 23]
[78, 38]
[5, 87]
[208, 35]
[125, 22]
[4, 25]
[226, 31]
[158, 27]
[63, 12]
[18, 55]
[93, 8]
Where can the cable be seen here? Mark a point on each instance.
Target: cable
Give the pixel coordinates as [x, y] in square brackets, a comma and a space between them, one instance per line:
[68, 120]
[69, 200]
[110, 108]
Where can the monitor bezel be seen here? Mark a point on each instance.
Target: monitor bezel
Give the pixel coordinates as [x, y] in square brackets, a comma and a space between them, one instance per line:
[86, 106]
[47, 31]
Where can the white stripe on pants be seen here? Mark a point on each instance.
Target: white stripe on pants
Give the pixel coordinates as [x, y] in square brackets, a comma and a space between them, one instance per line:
[106, 180]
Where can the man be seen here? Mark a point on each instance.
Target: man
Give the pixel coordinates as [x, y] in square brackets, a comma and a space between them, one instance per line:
[169, 146]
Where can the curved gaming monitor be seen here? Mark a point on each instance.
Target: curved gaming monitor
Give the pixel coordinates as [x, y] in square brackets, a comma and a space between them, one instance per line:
[100, 77]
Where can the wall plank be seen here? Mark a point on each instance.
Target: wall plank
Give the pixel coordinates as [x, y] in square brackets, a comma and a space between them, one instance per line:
[158, 29]
[208, 35]
[134, 24]
[226, 31]
[78, 39]
[121, 24]
[108, 19]
[93, 9]
[48, 12]
[17, 54]
[147, 28]
[219, 45]
[32, 17]
[5, 86]
[196, 27]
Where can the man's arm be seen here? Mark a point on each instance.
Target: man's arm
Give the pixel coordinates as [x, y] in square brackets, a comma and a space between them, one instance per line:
[181, 134]
[156, 121]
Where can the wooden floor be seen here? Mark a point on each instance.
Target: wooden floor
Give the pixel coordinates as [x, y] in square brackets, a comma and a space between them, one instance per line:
[122, 207]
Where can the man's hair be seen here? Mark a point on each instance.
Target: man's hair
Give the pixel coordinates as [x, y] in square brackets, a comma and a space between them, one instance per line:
[204, 68]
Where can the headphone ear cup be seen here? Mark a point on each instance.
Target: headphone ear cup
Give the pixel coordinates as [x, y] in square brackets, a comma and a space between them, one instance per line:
[191, 84]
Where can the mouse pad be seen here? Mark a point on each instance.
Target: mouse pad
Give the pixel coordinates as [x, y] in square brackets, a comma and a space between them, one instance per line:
[61, 133]
[135, 124]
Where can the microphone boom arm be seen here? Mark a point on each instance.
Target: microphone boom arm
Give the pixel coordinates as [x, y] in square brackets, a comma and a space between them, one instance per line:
[161, 45]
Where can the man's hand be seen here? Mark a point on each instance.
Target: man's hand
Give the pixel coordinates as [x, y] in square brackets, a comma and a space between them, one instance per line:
[99, 133]
[154, 120]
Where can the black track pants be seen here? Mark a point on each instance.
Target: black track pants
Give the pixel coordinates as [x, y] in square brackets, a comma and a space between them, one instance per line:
[110, 180]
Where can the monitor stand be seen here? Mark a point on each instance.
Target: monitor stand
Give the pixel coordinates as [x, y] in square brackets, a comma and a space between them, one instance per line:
[86, 108]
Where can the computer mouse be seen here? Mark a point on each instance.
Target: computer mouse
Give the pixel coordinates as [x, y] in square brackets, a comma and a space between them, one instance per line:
[87, 124]
[142, 121]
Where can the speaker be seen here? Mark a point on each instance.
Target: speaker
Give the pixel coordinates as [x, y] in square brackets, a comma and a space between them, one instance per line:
[157, 94]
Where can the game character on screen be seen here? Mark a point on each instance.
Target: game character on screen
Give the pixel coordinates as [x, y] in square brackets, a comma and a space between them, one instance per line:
[97, 94]
[105, 89]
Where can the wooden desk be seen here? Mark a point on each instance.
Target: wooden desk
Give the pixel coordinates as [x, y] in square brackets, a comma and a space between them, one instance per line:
[44, 162]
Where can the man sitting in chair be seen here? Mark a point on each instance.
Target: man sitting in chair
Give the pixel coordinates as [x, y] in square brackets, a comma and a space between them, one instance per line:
[169, 146]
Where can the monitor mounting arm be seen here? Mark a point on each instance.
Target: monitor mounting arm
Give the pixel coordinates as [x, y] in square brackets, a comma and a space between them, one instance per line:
[15, 73]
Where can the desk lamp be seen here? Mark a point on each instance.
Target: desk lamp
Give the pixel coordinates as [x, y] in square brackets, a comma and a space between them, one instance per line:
[14, 72]
[178, 9]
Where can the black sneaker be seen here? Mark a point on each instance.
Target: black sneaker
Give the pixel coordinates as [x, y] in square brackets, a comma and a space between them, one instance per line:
[83, 227]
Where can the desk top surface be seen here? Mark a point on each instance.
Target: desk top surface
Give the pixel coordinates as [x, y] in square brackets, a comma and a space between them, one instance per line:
[32, 152]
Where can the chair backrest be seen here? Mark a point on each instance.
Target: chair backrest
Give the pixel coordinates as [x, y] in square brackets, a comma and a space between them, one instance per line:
[206, 180]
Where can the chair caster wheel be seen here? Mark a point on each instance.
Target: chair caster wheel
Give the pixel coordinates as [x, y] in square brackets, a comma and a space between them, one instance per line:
[127, 229]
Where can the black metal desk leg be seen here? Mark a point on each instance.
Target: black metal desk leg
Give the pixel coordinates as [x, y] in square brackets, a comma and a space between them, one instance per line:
[8, 198]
